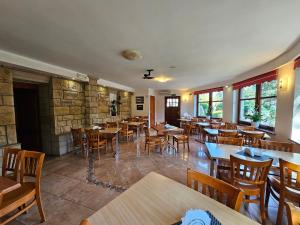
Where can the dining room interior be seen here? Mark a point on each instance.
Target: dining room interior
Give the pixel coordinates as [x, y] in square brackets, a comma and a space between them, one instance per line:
[149, 112]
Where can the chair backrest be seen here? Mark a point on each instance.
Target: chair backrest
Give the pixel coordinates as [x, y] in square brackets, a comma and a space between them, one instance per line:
[187, 129]
[230, 141]
[215, 188]
[252, 139]
[77, 136]
[293, 214]
[194, 119]
[124, 126]
[11, 162]
[246, 128]
[31, 166]
[289, 175]
[111, 124]
[93, 138]
[215, 126]
[275, 145]
[249, 172]
[230, 126]
[226, 133]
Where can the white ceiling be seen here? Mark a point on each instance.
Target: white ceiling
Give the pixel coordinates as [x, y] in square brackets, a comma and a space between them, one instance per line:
[207, 41]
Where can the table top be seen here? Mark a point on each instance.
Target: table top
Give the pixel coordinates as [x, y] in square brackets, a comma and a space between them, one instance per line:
[111, 130]
[156, 199]
[215, 132]
[222, 151]
[7, 185]
[135, 123]
[170, 128]
[185, 120]
[203, 124]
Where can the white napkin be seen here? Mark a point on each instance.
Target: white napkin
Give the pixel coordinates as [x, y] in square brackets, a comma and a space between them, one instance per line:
[196, 217]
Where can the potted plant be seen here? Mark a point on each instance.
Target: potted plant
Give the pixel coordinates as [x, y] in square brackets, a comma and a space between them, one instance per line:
[113, 106]
[255, 117]
[208, 112]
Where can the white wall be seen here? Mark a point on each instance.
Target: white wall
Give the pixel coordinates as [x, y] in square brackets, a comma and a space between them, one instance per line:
[187, 104]
[145, 111]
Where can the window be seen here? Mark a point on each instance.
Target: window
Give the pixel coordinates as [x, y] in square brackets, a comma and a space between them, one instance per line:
[172, 102]
[263, 97]
[213, 100]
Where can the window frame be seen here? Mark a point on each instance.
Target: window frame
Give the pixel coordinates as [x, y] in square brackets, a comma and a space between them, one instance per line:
[258, 98]
[210, 102]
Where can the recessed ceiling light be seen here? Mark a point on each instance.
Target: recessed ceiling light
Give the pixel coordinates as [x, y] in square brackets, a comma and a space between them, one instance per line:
[172, 67]
[131, 54]
[162, 79]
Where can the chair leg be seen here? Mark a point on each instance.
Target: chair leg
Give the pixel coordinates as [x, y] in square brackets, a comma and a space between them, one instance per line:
[188, 144]
[268, 187]
[280, 209]
[99, 154]
[40, 208]
[262, 206]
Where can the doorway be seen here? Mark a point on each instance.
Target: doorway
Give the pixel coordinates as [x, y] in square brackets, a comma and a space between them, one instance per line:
[152, 110]
[26, 100]
[172, 110]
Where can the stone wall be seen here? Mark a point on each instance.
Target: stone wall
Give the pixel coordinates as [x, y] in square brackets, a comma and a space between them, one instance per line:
[7, 112]
[67, 104]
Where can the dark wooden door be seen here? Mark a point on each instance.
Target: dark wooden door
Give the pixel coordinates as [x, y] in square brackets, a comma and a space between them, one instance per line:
[152, 110]
[27, 116]
[172, 110]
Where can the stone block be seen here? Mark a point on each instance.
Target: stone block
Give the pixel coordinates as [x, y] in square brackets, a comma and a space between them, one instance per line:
[70, 95]
[3, 140]
[75, 110]
[7, 118]
[66, 129]
[77, 102]
[57, 83]
[1, 100]
[69, 123]
[6, 109]
[61, 110]
[56, 102]
[57, 94]
[61, 123]
[68, 117]
[72, 85]
[66, 102]
[8, 100]
[2, 131]
[5, 75]
[11, 134]
[6, 89]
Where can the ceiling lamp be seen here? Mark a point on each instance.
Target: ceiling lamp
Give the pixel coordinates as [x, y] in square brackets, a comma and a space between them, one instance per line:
[162, 79]
[131, 54]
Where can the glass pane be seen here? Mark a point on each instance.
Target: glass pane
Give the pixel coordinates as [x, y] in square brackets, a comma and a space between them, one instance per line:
[247, 107]
[217, 96]
[217, 109]
[268, 111]
[269, 88]
[202, 108]
[203, 97]
[248, 92]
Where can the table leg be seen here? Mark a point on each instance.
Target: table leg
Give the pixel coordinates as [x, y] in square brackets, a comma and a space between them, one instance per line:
[212, 167]
[116, 154]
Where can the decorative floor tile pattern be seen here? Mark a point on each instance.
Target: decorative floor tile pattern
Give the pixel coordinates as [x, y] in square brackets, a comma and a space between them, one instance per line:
[68, 198]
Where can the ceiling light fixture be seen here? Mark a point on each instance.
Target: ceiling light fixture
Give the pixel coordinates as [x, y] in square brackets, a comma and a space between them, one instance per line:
[162, 79]
[131, 54]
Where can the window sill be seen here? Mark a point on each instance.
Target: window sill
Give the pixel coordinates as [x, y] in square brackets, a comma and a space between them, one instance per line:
[260, 129]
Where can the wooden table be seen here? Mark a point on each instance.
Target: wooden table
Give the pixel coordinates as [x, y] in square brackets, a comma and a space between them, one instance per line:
[168, 130]
[7, 185]
[137, 125]
[156, 199]
[113, 131]
[215, 132]
[222, 151]
[202, 126]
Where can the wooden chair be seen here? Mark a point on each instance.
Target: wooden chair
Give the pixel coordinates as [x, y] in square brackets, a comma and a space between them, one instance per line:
[215, 126]
[125, 132]
[217, 189]
[78, 140]
[224, 166]
[288, 187]
[152, 141]
[293, 214]
[29, 193]
[252, 139]
[251, 176]
[11, 163]
[85, 222]
[96, 141]
[225, 133]
[183, 138]
[273, 183]
[231, 126]
[246, 128]
[111, 124]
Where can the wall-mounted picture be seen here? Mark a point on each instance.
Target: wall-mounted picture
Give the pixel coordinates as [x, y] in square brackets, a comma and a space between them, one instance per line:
[139, 99]
[139, 107]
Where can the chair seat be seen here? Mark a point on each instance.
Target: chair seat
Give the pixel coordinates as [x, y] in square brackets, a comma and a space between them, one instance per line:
[124, 132]
[275, 183]
[16, 198]
[248, 189]
[155, 139]
[181, 137]
[100, 143]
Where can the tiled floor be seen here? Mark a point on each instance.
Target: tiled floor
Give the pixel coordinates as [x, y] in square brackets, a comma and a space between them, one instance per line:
[67, 197]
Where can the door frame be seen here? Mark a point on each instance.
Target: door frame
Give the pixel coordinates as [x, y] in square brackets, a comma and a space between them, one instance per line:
[152, 111]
